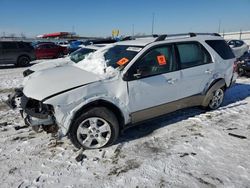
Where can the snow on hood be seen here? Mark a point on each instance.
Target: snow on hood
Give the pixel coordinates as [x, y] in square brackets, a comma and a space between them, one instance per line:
[42, 84]
[96, 63]
[46, 64]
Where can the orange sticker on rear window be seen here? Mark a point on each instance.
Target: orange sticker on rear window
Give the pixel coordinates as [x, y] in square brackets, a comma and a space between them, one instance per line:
[161, 60]
[122, 61]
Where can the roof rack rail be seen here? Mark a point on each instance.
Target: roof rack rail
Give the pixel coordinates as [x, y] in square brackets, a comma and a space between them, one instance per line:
[137, 37]
[164, 36]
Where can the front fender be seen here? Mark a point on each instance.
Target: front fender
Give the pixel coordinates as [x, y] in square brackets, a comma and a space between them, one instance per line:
[66, 113]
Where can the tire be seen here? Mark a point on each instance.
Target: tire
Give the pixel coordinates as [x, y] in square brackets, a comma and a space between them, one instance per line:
[217, 99]
[60, 55]
[23, 61]
[94, 129]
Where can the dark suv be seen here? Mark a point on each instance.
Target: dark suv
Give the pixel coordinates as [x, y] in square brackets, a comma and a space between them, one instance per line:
[18, 53]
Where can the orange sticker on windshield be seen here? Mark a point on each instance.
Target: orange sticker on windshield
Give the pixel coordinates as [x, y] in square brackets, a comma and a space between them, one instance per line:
[122, 61]
[161, 60]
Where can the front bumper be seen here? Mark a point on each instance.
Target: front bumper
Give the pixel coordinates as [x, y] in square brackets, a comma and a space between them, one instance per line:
[34, 112]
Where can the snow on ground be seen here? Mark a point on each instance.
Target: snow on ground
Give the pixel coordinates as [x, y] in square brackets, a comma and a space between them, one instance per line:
[188, 148]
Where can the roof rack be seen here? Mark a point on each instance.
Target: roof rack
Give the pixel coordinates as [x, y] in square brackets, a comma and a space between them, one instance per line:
[137, 37]
[164, 36]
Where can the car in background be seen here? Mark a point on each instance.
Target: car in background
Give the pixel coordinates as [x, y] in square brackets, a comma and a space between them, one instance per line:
[243, 67]
[73, 58]
[239, 47]
[49, 50]
[16, 52]
[63, 43]
[74, 45]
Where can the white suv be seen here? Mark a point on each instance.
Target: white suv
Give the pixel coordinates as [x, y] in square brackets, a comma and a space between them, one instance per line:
[126, 83]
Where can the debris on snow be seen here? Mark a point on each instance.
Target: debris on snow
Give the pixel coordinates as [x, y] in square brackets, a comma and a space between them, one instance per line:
[237, 136]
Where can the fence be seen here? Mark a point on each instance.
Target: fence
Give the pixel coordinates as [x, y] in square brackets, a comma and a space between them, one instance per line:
[242, 35]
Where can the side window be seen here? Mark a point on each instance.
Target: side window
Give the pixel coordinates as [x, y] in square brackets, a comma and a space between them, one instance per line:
[222, 48]
[157, 61]
[192, 54]
[232, 43]
[46, 46]
[238, 43]
[9, 45]
[52, 46]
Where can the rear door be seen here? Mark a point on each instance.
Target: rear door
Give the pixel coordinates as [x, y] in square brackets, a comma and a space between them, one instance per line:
[54, 50]
[196, 65]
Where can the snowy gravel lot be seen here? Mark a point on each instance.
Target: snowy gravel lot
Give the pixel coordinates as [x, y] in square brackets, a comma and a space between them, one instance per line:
[188, 148]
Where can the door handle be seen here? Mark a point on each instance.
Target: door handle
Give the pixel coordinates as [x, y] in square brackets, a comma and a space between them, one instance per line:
[171, 80]
[208, 71]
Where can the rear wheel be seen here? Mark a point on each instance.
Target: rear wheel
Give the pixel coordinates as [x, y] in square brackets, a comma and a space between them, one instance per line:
[23, 61]
[94, 129]
[217, 99]
[60, 55]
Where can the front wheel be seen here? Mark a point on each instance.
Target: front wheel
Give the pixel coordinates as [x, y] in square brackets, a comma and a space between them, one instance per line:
[94, 129]
[217, 99]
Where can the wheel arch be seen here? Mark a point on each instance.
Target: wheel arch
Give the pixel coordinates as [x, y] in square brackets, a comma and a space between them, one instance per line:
[214, 85]
[100, 103]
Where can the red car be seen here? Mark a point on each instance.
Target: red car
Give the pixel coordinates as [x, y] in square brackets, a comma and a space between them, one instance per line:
[49, 50]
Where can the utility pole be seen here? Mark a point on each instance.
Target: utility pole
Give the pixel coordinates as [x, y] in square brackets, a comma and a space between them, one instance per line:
[219, 26]
[133, 30]
[153, 23]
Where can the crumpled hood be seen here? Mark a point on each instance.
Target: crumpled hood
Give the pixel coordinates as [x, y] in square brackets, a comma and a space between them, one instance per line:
[43, 84]
[46, 64]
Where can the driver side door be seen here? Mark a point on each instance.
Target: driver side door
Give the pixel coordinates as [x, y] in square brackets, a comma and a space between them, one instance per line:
[153, 83]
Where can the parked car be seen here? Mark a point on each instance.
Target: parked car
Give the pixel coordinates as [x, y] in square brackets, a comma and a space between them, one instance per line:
[243, 67]
[17, 53]
[63, 43]
[74, 57]
[49, 50]
[74, 45]
[239, 47]
[128, 83]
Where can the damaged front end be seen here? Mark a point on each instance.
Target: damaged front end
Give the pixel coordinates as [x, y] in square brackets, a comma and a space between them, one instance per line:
[34, 112]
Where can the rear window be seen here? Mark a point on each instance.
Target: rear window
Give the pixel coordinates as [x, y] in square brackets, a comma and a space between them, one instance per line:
[222, 48]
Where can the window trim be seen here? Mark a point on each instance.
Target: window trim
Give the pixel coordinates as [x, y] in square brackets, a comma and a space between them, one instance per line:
[191, 42]
[128, 77]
